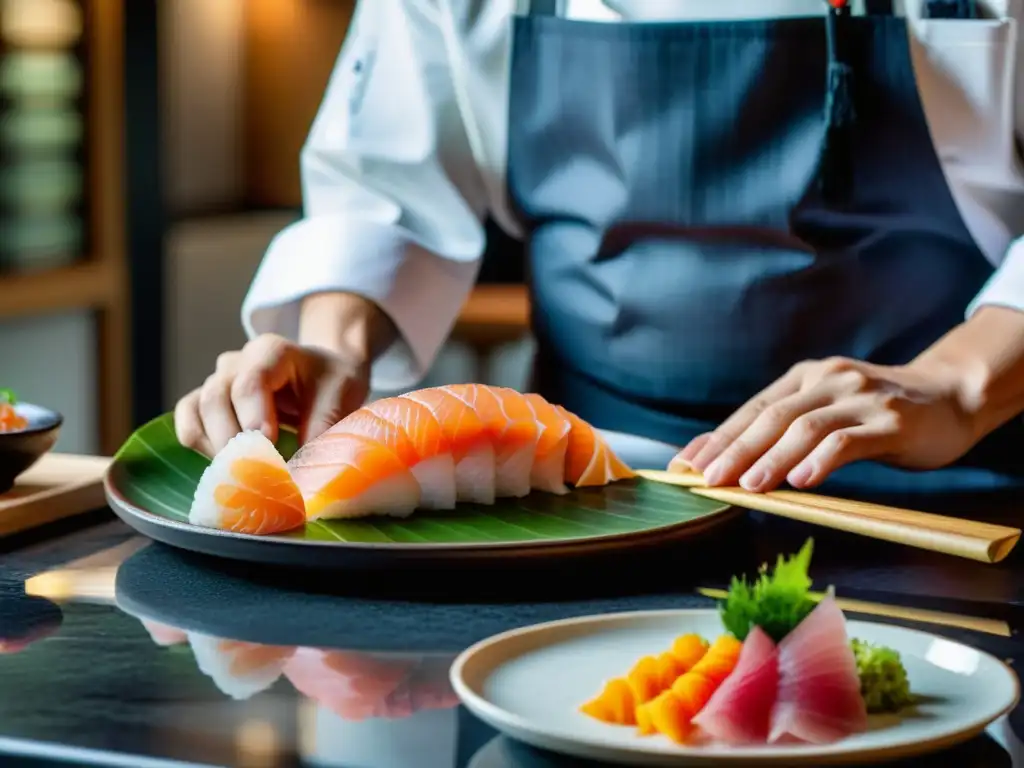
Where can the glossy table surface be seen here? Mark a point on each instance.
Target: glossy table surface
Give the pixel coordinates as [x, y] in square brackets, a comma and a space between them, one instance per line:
[101, 630]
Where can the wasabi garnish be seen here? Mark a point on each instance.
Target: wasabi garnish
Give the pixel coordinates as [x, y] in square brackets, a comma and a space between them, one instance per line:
[883, 679]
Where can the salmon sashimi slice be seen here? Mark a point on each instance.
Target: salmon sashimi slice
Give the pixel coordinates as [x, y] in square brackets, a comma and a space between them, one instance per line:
[430, 458]
[471, 444]
[239, 669]
[513, 429]
[343, 475]
[548, 472]
[248, 489]
[588, 459]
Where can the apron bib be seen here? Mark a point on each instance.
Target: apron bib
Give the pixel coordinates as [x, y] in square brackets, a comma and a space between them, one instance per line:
[707, 203]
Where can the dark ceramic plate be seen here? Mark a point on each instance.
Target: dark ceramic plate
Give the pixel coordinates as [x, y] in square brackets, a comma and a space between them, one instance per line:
[21, 449]
[153, 478]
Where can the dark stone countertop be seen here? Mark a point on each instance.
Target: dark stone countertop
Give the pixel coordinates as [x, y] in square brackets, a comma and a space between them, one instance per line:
[109, 667]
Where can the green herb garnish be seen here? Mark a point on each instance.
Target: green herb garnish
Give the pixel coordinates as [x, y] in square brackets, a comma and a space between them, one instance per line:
[883, 679]
[7, 396]
[776, 603]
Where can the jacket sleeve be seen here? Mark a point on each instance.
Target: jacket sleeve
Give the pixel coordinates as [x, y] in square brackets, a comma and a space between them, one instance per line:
[393, 199]
[1006, 286]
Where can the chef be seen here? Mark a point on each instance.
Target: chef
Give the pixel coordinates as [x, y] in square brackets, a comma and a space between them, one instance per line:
[777, 233]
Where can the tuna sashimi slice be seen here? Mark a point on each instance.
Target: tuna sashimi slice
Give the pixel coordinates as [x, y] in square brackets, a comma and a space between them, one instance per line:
[819, 697]
[739, 712]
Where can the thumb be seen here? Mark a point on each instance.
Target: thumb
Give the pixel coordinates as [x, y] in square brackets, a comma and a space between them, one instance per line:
[335, 399]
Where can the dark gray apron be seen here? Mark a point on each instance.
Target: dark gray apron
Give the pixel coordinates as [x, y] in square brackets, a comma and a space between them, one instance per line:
[708, 203]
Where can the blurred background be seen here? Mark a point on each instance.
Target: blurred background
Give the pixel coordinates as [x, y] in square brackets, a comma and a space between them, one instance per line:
[148, 153]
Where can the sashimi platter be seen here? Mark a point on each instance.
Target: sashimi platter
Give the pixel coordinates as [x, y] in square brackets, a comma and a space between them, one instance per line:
[774, 675]
[460, 470]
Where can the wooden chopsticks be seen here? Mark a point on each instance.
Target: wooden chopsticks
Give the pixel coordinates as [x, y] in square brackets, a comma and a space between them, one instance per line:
[938, 618]
[984, 542]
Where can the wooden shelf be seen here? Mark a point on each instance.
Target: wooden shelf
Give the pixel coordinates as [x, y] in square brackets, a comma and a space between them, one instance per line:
[99, 284]
[493, 315]
[86, 285]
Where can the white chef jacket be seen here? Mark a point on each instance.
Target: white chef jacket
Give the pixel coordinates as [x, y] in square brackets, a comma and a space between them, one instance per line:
[406, 157]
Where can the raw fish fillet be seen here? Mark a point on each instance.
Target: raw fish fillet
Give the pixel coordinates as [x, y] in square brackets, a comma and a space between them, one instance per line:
[163, 634]
[671, 712]
[819, 697]
[413, 433]
[357, 686]
[513, 429]
[620, 697]
[588, 460]
[342, 475]
[248, 489]
[548, 472]
[469, 441]
[239, 669]
[739, 712]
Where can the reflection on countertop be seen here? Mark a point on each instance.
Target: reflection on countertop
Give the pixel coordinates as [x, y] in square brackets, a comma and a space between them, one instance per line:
[140, 652]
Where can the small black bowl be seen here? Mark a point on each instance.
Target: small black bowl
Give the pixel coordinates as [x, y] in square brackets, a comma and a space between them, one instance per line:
[22, 448]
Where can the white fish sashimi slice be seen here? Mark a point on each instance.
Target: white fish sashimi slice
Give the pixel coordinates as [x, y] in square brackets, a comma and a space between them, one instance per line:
[474, 474]
[437, 481]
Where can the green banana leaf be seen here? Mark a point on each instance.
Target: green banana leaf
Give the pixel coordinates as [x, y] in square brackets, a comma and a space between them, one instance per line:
[155, 473]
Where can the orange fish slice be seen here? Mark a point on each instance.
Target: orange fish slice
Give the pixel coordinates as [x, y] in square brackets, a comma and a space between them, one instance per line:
[471, 444]
[423, 446]
[620, 699]
[589, 461]
[344, 475]
[510, 422]
[548, 472]
[247, 489]
[672, 711]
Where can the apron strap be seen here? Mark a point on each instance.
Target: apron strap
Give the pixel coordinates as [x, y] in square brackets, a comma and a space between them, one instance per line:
[539, 7]
[836, 172]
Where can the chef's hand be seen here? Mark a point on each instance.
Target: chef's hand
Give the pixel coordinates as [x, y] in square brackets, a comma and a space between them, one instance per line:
[311, 385]
[270, 381]
[824, 414]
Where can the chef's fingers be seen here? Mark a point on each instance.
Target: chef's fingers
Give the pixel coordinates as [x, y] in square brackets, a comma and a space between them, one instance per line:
[804, 434]
[267, 365]
[727, 433]
[217, 412]
[335, 398]
[866, 441]
[188, 425]
[681, 461]
[767, 428]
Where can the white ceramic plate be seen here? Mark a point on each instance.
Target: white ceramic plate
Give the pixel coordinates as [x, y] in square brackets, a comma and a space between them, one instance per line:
[529, 684]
